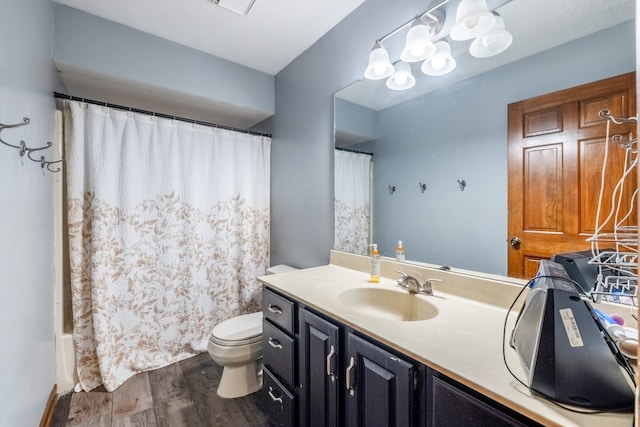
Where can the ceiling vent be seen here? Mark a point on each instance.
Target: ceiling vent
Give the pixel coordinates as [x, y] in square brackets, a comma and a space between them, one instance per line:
[241, 7]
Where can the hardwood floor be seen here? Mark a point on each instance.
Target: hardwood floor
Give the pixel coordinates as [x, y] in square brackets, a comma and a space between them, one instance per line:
[182, 394]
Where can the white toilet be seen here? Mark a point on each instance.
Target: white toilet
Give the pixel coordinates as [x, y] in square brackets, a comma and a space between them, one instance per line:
[236, 345]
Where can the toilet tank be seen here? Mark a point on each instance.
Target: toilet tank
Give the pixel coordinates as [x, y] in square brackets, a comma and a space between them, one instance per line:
[281, 268]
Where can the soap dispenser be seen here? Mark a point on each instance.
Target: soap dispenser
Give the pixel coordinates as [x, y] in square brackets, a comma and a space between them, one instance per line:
[375, 264]
[400, 252]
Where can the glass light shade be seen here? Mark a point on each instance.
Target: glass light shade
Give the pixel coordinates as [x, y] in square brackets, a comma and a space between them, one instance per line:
[441, 63]
[472, 19]
[402, 79]
[418, 45]
[493, 42]
[379, 65]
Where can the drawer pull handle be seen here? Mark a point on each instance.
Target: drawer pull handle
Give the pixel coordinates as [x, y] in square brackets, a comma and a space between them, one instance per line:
[274, 309]
[332, 352]
[274, 397]
[348, 382]
[274, 343]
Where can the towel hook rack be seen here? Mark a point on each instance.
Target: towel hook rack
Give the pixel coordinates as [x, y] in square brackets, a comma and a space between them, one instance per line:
[23, 149]
[606, 114]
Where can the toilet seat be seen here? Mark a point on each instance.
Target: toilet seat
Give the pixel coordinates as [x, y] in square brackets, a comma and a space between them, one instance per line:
[238, 331]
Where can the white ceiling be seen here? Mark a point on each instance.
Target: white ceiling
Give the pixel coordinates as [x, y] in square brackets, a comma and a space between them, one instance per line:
[268, 38]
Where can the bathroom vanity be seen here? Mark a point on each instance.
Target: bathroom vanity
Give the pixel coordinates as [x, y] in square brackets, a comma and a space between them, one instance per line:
[339, 350]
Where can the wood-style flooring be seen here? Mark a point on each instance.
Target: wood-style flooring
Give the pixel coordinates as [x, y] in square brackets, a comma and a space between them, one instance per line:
[182, 394]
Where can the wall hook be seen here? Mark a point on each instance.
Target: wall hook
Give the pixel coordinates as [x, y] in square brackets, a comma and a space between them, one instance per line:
[392, 189]
[462, 184]
[423, 187]
[23, 149]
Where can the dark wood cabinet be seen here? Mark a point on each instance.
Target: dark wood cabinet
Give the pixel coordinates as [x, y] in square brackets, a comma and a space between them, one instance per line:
[380, 386]
[451, 405]
[319, 371]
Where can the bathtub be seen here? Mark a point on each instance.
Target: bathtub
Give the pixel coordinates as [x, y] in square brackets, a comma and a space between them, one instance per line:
[66, 372]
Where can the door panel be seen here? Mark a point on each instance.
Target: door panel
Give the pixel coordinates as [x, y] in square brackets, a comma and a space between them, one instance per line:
[616, 103]
[381, 392]
[556, 150]
[543, 188]
[542, 122]
[592, 151]
[319, 351]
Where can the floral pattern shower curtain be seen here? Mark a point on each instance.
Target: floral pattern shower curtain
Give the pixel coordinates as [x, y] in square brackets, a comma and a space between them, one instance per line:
[352, 223]
[168, 230]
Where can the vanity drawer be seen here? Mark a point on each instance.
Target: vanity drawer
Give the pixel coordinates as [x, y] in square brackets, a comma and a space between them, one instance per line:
[278, 352]
[279, 310]
[279, 403]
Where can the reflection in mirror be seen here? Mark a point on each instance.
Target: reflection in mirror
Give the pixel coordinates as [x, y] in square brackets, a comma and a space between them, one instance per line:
[456, 131]
[352, 201]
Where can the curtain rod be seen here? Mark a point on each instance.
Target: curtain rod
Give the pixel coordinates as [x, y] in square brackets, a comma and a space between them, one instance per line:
[353, 151]
[152, 113]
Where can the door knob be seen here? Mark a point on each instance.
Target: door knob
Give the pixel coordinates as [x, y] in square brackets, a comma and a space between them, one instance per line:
[515, 242]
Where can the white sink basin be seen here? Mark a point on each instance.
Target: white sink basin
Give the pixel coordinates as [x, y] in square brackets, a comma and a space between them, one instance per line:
[388, 304]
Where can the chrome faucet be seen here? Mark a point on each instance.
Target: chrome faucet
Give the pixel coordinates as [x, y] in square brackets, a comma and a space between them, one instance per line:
[414, 286]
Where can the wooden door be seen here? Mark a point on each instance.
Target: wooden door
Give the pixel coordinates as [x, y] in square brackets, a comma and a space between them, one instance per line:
[556, 149]
[319, 380]
[380, 387]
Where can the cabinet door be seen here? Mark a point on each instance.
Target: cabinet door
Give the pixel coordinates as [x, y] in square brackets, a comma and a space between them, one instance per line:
[379, 386]
[318, 371]
[450, 406]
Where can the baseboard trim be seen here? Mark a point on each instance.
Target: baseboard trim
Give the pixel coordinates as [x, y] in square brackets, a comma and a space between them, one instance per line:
[47, 416]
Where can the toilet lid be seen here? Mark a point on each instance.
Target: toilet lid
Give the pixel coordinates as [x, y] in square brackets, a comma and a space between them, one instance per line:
[240, 329]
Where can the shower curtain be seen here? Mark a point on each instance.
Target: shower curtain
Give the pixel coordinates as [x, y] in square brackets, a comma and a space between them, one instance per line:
[168, 230]
[352, 225]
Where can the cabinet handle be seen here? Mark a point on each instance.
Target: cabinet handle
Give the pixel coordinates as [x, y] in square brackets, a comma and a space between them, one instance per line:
[348, 382]
[274, 397]
[274, 343]
[274, 309]
[330, 373]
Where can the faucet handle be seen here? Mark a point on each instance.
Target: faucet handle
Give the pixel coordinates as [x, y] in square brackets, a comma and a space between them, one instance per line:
[402, 281]
[426, 287]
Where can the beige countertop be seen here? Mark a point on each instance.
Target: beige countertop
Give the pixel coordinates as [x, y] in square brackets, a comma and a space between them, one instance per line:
[464, 341]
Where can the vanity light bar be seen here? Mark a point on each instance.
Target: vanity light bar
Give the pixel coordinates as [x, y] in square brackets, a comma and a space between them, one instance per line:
[488, 31]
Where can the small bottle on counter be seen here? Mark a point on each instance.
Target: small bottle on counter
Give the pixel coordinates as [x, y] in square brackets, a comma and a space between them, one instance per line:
[400, 252]
[375, 264]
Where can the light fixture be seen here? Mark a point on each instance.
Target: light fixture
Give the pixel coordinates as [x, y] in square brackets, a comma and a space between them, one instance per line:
[379, 65]
[472, 19]
[441, 63]
[418, 45]
[492, 42]
[401, 79]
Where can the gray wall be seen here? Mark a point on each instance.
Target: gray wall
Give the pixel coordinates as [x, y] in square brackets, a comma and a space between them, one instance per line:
[461, 133]
[302, 173]
[302, 149]
[111, 62]
[354, 124]
[27, 78]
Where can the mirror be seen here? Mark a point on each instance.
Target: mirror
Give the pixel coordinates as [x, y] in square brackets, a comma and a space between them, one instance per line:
[453, 130]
